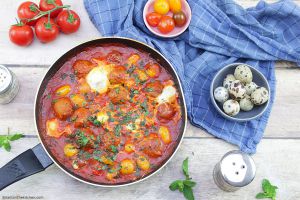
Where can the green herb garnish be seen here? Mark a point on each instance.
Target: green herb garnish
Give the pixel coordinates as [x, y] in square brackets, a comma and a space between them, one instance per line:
[6, 139]
[269, 190]
[94, 120]
[184, 186]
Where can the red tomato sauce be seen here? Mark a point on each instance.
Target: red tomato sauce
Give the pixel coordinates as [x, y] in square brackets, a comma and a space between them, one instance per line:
[114, 133]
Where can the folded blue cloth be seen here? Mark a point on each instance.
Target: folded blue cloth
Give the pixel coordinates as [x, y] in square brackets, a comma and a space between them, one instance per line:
[221, 32]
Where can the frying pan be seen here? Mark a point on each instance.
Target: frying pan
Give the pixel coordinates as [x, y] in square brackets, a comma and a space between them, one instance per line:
[40, 157]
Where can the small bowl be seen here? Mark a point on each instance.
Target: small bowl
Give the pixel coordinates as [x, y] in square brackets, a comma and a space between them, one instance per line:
[177, 30]
[242, 116]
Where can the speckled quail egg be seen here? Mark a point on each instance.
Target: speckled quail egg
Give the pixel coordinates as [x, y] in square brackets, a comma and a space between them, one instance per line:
[250, 87]
[246, 103]
[231, 107]
[243, 73]
[260, 96]
[221, 94]
[237, 90]
[228, 80]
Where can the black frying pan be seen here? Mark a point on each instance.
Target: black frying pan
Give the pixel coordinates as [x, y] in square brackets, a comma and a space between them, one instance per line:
[40, 157]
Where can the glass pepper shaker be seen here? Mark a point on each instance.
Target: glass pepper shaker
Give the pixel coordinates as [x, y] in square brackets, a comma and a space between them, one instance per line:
[235, 170]
[9, 85]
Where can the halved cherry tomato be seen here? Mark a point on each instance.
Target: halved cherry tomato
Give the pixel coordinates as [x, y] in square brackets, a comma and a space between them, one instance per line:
[68, 21]
[175, 5]
[46, 31]
[28, 10]
[21, 34]
[153, 18]
[166, 24]
[179, 18]
[161, 7]
[46, 5]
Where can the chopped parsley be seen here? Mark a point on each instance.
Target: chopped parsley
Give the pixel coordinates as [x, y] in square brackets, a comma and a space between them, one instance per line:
[114, 149]
[118, 130]
[94, 120]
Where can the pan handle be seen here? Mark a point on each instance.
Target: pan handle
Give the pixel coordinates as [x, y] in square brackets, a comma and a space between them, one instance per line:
[27, 163]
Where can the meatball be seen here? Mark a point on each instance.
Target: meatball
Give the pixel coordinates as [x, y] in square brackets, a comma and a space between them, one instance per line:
[82, 67]
[165, 111]
[63, 108]
[154, 88]
[152, 146]
[80, 117]
[118, 95]
[118, 75]
[114, 57]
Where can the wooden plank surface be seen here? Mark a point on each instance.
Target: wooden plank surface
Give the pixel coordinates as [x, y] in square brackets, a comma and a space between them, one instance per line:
[280, 165]
[284, 120]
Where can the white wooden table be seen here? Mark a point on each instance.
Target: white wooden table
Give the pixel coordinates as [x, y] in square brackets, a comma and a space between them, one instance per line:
[277, 157]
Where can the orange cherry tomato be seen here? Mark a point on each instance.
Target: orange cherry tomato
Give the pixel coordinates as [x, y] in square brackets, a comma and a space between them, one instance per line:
[166, 24]
[153, 18]
[175, 5]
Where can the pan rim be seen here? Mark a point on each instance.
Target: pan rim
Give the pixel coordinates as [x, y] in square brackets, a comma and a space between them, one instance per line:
[133, 181]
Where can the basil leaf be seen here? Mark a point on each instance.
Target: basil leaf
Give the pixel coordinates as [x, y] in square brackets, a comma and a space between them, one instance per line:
[174, 185]
[189, 183]
[15, 137]
[188, 193]
[261, 196]
[6, 145]
[185, 168]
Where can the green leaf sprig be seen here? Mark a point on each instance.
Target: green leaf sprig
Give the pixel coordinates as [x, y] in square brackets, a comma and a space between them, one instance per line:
[269, 190]
[184, 186]
[6, 139]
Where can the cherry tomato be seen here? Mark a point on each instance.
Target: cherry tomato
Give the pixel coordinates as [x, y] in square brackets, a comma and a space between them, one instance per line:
[46, 5]
[21, 34]
[179, 18]
[28, 10]
[175, 5]
[166, 24]
[46, 31]
[68, 21]
[153, 18]
[161, 7]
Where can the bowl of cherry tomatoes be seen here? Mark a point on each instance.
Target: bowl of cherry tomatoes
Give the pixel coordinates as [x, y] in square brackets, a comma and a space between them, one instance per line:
[167, 18]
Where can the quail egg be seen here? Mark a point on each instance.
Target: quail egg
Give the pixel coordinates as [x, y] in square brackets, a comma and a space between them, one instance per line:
[260, 96]
[231, 107]
[250, 87]
[243, 73]
[221, 94]
[228, 80]
[237, 90]
[246, 103]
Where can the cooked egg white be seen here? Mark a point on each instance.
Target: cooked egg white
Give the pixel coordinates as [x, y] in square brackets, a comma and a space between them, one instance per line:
[168, 95]
[102, 117]
[98, 80]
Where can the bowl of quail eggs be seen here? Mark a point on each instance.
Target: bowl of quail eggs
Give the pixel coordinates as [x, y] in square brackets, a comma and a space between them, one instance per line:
[240, 92]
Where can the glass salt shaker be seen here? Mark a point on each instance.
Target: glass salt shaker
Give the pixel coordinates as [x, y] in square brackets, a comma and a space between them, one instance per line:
[9, 85]
[235, 170]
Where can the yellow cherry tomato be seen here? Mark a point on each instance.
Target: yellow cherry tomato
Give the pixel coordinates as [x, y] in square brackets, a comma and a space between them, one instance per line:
[111, 175]
[143, 163]
[175, 5]
[165, 134]
[63, 90]
[106, 160]
[70, 150]
[161, 7]
[78, 100]
[129, 147]
[127, 167]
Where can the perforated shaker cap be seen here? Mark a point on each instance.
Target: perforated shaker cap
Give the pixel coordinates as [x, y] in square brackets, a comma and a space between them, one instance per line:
[237, 168]
[5, 79]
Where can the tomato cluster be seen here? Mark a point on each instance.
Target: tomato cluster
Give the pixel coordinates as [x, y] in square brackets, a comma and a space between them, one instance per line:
[161, 20]
[47, 19]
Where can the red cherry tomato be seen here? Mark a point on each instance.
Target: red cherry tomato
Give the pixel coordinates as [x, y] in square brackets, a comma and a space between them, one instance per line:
[46, 5]
[179, 18]
[21, 34]
[68, 21]
[46, 31]
[166, 24]
[28, 10]
[153, 18]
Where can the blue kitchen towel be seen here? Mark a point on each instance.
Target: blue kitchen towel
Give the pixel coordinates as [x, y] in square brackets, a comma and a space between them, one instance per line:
[221, 32]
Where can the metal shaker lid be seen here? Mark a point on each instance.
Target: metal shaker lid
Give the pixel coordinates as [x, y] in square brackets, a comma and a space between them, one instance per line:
[237, 168]
[5, 79]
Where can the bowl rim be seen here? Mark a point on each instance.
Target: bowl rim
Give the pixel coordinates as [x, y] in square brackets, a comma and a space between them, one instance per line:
[168, 35]
[266, 105]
